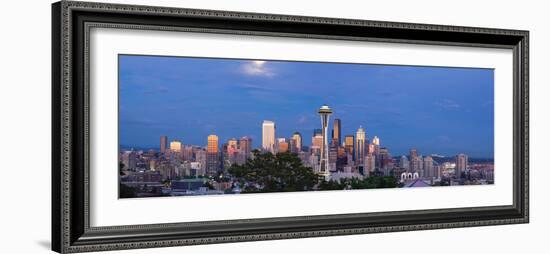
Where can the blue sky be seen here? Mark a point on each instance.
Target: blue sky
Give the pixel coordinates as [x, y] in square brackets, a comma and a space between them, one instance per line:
[434, 109]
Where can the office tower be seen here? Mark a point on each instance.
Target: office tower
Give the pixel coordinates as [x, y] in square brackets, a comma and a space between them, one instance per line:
[163, 144]
[341, 159]
[333, 156]
[232, 147]
[231, 151]
[337, 131]
[282, 145]
[325, 113]
[375, 146]
[370, 163]
[297, 138]
[384, 157]
[317, 132]
[370, 148]
[376, 141]
[404, 162]
[349, 143]
[245, 146]
[152, 165]
[212, 145]
[212, 155]
[232, 143]
[187, 152]
[175, 146]
[244, 151]
[413, 153]
[360, 145]
[461, 164]
[129, 159]
[268, 136]
[429, 167]
[416, 164]
[317, 141]
[200, 157]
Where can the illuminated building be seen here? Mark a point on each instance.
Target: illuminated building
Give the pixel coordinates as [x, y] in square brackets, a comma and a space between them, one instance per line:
[212, 155]
[213, 144]
[175, 146]
[337, 131]
[297, 138]
[349, 143]
[376, 141]
[282, 145]
[360, 145]
[317, 140]
[268, 136]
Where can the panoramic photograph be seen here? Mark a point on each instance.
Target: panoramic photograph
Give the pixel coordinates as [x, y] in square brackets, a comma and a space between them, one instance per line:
[192, 126]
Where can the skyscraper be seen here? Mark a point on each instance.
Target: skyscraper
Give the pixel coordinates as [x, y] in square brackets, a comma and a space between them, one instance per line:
[212, 156]
[413, 153]
[213, 143]
[461, 164]
[416, 164]
[337, 131]
[429, 167]
[376, 141]
[175, 146]
[268, 136]
[360, 145]
[370, 163]
[404, 162]
[245, 146]
[163, 143]
[349, 143]
[317, 132]
[325, 113]
[297, 137]
[129, 160]
[317, 140]
[282, 145]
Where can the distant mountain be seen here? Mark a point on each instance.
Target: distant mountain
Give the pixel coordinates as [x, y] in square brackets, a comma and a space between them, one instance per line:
[137, 148]
[442, 159]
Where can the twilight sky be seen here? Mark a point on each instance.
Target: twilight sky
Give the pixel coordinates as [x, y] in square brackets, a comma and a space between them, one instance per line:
[434, 109]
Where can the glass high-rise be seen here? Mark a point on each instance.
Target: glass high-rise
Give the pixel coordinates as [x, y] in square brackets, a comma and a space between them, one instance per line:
[268, 136]
[297, 137]
[360, 138]
[212, 155]
[163, 143]
[337, 131]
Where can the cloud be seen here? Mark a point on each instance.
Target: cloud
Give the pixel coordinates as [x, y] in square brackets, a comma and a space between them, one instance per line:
[257, 68]
[447, 104]
[251, 87]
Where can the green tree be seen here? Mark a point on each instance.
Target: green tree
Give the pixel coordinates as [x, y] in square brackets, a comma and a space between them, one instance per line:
[126, 191]
[121, 168]
[354, 183]
[281, 172]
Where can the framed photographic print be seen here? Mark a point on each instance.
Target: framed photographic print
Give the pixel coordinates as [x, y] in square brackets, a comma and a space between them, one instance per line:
[181, 126]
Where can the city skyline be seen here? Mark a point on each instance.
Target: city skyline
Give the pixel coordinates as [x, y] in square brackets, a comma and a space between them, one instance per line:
[160, 104]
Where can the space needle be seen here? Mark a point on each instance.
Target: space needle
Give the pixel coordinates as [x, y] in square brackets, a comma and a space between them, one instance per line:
[325, 113]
